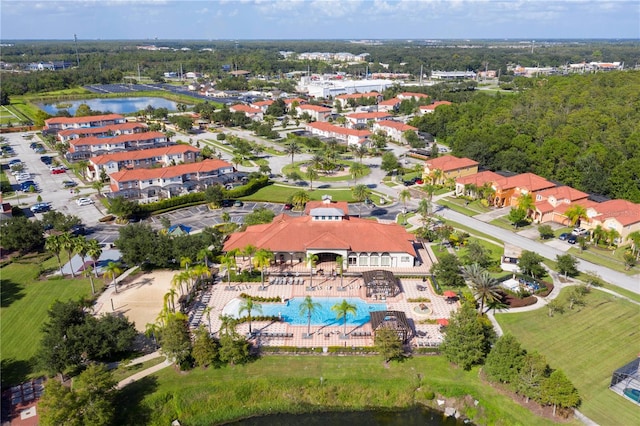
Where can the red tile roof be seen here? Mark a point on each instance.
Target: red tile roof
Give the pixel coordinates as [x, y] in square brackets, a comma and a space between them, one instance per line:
[205, 166]
[289, 101]
[449, 162]
[479, 178]
[392, 101]
[544, 207]
[328, 127]
[143, 153]
[134, 137]
[625, 212]
[434, 105]
[245, 109]
[529, 181]
[414, 95]
[80, 120]
[368, 115]
[358, 95]
[262, 103]
[105, 129]
[396, 125]
[316, 108]
[298, 234]
[563, 192]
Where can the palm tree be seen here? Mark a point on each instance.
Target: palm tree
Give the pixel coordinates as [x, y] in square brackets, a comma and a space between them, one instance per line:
[340, 268]
[207, 312]
[634, 237]
[261, 260]
[404, 196]
[94, 252]
[111, 271]
[292, 149]
[357, 170]
[152, 330]
[312, 259]
[526, 203]
[97, 185]
[67, 243]
[88, 272]
[227, 325]
[435, 175]
[299, 199]
[484, 286]
[343, 309]
[360, 193]
[203, 256]
[360, 151]
[424, 209]
[81, 246]
[312, 174]
[199, 272]
[54, 245]
[249, 305]
[171, 295]
[180, 278]
[249, 250]
[612, 235]
[308, 307]
[185, 261]
[575, 214]
[229, 260]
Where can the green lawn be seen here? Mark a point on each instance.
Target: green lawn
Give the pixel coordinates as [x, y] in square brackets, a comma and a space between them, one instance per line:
[469, 208]
[588, 344]
[457, 207]
[469, 230]
[25, 302]
[277, 384]
[281, 193]
[295, 167]
[504, 223]
[608, 258]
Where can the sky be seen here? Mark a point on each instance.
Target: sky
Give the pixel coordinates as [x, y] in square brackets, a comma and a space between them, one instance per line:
[319, 19]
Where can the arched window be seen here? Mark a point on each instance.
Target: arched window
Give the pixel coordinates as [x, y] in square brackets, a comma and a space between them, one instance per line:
[385, 260]
[374, 259]
[363, 259]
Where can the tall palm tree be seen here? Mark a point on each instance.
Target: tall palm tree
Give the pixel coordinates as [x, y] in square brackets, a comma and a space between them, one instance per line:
[436, 176]
[81, 245]
[185, 262]
[308, 307]
[94, 251]
[342, 310]
[526, 203]
[180, 278]
[340, 269]
[199, 272]
[249, 306]
[360, 151]
[249, 250]
[203, 256]
[111, 271]
[88, 272]
[152, 330]
[360, 193]
[229, 260]
[67, 243]
[424, 209]
[575, 213]
[612, 235]
[227, 325]
[405, 195]
[261, 260]
[312, 259]
[312, 174]
[171, 296]
[357, 170]
[634, 237]
[292, 149]
[53, 244]
[207, 312]
[483, 285]
[97, 185]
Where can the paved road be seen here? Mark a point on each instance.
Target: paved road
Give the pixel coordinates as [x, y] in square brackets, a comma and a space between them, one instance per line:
[631, 283]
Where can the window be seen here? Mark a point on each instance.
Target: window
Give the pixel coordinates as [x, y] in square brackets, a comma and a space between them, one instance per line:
[405, 259]
[385, 260]
[353, 260]
[363, 260]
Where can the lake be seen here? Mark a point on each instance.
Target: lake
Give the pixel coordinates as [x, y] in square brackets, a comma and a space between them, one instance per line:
[414, 416]
[114, 105]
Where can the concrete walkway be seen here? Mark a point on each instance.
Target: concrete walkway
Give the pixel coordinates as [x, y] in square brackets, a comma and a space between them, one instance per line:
[144, 373]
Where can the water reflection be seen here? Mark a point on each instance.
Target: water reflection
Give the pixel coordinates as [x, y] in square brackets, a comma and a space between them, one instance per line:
[114, 105]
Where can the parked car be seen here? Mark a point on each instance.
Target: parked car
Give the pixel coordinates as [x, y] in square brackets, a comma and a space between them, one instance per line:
[14, 162]
[579, 231]
[46, 159]
[238, 203]
[22, 177]
[572, 239]
[419, 181]
[564, 236]
[40, 208]
[84, 201]
[78, 230]
[227, 203]
[69, 184]
[26, 185]
[288, 206]
[57, 171]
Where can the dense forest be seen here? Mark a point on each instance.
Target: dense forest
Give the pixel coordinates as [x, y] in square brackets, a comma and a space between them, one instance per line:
[580, 130]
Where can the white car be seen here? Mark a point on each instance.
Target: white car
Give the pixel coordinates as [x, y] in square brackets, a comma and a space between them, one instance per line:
[84, 201]
[23, 177]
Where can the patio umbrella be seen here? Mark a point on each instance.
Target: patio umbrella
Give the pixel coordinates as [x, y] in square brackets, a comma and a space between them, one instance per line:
[443, 321]
[450, 294]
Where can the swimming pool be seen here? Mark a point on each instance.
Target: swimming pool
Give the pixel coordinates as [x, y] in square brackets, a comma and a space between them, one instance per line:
[290, 311]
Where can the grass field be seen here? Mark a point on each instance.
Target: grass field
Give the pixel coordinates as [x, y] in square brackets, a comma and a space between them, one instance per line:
[295, 167]
[281, 194]
[588, 344]
[292, 384]
[25, 302]
[608, 258]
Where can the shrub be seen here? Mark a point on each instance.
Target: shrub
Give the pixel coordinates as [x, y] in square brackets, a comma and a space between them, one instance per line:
[275, 299]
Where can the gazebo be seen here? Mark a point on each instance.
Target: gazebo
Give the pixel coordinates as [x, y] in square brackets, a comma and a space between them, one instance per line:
[394, 320]
[380, 284]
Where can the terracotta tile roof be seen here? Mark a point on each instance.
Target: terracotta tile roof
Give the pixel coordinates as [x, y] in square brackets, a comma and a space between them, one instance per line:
[479, 178]
[392, 101]
[414, 95]
[587, 204]
[529, 181]
[105, 129]
[434, 105]
[262, 103]
[563, 192]
[298, 234]
[625, 212]
[449, 162]
[368, 115]
[342, 205]
[544, 207]
[328, 127]
[169, 172]
[134, 137]
[396, 125]
[143, 153]
[358, 95]
[81, 120]
[316, 108]
[289, 101]
[245, 109]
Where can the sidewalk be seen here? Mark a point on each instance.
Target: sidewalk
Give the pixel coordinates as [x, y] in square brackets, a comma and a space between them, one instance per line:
[144, 373]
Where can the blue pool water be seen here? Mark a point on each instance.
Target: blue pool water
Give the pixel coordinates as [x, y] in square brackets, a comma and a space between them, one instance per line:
[290, 311]
[114, 105]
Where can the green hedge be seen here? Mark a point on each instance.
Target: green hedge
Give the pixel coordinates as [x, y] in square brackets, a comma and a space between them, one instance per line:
[195, 198]
[275, 299]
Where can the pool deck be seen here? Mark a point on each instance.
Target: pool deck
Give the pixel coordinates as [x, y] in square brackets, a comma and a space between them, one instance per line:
[271, 333]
